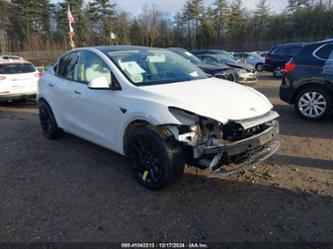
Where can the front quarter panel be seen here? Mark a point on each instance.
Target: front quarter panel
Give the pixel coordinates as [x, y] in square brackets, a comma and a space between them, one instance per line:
[142, 109]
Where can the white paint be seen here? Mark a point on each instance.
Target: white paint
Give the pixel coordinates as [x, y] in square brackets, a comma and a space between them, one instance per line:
[97, 116]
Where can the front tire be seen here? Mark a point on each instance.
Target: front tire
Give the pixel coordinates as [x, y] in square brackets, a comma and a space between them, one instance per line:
[156, 158]
[313, 103]
[48, 123]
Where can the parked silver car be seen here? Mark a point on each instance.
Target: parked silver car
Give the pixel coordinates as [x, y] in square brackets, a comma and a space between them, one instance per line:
[253, 59]
[244, 73]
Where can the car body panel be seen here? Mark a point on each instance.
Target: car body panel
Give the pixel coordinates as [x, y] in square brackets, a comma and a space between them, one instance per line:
[102, 116]
[197, 98]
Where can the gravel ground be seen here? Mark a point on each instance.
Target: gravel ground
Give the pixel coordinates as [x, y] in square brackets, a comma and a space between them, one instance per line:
[72, 190]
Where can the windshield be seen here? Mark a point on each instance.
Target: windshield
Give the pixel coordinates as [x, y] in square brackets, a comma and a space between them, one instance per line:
[17, 68]
[226, 60]
[149, 67]
[190, 57]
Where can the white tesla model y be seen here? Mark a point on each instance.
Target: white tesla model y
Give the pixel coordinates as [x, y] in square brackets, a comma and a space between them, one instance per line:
[159, 110]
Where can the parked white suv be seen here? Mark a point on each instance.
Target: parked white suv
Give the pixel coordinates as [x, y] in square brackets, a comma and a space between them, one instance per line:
[158, 109]
[18, 79]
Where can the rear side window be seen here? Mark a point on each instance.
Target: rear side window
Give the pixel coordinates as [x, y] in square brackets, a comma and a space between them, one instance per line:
[279, 51]
[17, 68]
[292, 51]
[325, 52]
[66, 66]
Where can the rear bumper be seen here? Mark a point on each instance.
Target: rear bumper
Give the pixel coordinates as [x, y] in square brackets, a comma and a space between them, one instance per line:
[286, 94]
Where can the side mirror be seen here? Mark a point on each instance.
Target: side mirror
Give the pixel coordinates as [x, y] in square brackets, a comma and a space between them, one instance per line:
[99, 83]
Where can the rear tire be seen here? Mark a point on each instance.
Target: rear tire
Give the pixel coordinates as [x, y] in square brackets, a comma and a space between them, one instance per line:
[48, 123]
[156, 158]
[277, 72]
[260, 67]
[313, 103]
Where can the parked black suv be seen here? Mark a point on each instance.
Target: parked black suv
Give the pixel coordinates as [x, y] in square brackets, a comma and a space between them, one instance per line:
[308, 80]
[279, 56]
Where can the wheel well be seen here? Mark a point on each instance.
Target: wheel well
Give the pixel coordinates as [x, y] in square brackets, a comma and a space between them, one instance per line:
[42, 100]
[259, 63]
[307, 85]
[129, 128]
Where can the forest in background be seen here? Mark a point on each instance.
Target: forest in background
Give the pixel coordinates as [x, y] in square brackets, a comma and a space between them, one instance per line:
[42, 25]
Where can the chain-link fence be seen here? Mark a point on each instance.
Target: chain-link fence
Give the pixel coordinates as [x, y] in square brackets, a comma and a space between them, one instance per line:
[38, 58]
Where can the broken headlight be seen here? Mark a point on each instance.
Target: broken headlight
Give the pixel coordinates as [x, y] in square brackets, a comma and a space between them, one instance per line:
[184, 117]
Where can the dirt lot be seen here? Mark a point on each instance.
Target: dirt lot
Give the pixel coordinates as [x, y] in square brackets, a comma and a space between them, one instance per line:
[72, 190]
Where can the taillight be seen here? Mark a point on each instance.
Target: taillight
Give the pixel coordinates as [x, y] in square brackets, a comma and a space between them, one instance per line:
[268, 58]
[39, 74]
[289, 67]
[2, 77]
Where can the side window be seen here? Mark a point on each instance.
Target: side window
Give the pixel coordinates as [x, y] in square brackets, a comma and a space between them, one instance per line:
[245, 56]
[292, 51]
[325, 52]
[91, 67]
[66, 66]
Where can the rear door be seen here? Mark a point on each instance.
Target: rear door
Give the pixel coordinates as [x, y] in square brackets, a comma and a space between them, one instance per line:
[58, 87]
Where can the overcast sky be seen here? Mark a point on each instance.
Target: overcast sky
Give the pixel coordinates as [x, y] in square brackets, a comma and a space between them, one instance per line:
[172, 6]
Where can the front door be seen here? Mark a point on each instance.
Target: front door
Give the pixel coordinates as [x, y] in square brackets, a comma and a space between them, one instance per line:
[94, 114]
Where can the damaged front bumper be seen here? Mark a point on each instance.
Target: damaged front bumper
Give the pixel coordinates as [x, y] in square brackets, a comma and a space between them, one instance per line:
[256, 148]
[248, 78]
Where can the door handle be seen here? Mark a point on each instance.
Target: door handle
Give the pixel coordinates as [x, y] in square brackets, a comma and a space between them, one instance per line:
[51, 85]
[76, 92]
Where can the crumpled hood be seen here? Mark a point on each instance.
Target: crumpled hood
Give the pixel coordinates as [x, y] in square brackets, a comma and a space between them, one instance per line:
[212, 98]
[241, 65]
[211, 67]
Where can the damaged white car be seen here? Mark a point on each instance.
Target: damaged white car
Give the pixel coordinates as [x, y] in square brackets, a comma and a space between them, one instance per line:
[159, 110]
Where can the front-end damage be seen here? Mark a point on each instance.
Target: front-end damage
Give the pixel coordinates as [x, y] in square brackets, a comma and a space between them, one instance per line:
[226, 148]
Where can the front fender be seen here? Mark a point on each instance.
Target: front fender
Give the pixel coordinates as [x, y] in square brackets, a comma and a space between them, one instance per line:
[157, 118]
